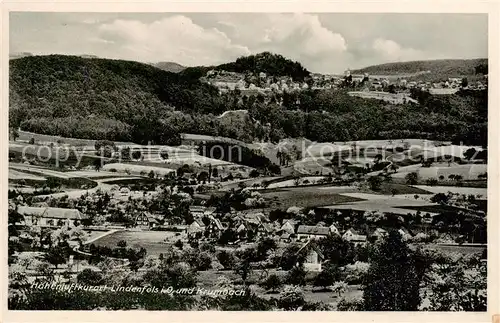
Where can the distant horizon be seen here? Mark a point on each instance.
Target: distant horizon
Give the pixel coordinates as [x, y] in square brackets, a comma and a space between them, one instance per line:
[321, 42]
[186, 66]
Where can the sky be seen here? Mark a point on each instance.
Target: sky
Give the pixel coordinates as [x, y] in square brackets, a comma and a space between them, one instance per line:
[322, 42]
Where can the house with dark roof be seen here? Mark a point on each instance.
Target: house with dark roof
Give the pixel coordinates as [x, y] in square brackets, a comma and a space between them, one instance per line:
[145, 221]
[215, 227]
[314, 258]
[50, 216]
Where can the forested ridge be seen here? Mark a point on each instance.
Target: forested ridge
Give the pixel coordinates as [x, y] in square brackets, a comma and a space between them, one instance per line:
[129, 101]
[440, 67]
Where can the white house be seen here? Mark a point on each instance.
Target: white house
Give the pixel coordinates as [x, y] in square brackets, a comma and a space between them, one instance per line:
[288, 226]
[354, 236]
[313, 256]
[405, 234]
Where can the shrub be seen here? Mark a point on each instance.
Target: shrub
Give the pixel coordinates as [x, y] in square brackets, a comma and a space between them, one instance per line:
[136, 154]
[291, 298]
[226, 259]
[179, 244]
[164, 155]
[432, 181]
[412, 178]
[272, 283]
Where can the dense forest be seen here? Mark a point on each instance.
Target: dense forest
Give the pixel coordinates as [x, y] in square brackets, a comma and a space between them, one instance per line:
[129, 101]
[271, 64]
[441, 67]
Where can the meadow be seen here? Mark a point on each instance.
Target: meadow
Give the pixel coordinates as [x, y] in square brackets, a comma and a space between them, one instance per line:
[155, 242]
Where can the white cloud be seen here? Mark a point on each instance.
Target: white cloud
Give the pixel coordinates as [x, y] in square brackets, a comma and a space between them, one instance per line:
[297, 36]
[389, 50]
[174, 38]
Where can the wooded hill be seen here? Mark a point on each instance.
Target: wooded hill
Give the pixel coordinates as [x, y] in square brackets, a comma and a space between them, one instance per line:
[442, 68]
[128, 101]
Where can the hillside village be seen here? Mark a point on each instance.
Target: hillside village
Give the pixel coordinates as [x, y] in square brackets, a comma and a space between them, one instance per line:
[296, 224]
[387, 88]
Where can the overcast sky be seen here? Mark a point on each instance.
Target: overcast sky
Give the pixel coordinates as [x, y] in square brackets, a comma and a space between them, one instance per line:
[327, 43]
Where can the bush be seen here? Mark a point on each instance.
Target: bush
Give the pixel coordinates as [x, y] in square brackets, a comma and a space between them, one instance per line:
[291, 298]
[412, 178]
[226, 259]
[179, 244]
[32, 141]
[136, 154]
[350, 305]
[272, 283]
[254, 173]
[432, 181]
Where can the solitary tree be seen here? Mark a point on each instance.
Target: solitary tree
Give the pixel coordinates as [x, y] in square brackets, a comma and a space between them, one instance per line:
[412, 178]
[392, 283]
[375, 182]
[339, 288]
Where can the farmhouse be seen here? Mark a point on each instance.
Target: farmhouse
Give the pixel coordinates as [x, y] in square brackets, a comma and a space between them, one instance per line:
[145, 221]
[312, 232]
[50, 216]
[215, 227]
[354, 236]
[196, 226]
[264, 229]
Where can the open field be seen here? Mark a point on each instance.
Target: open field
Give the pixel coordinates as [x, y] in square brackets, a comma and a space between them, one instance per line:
[17, 175]
[291, 182]
[305, 197]
[137, 169]
[459, 190]
[39, 171]
[468, 172]
[42, 139]
[398, 204]
[388, 188]
[152, 241]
